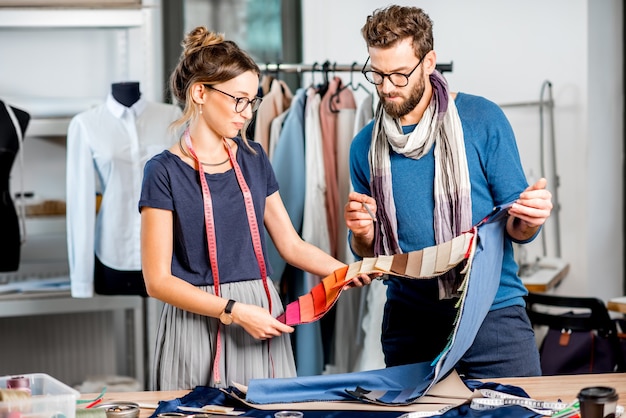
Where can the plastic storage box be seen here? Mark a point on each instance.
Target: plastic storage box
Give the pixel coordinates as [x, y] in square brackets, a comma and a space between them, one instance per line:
[49, 399]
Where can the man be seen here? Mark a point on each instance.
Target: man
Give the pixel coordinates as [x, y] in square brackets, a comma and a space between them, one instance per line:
[430, 165]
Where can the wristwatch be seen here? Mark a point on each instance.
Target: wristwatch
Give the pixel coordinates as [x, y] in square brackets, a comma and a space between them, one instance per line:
[225, 316]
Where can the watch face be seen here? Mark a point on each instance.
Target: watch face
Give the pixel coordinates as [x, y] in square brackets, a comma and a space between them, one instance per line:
[226, 318]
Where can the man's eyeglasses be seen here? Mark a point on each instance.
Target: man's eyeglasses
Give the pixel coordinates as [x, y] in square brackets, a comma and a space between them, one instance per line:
[241, 103]
[397, 79]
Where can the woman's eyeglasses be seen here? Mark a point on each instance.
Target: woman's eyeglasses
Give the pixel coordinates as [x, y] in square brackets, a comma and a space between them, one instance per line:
[241, 103]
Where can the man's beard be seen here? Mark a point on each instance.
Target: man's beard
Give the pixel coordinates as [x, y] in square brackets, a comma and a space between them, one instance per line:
[397, 110]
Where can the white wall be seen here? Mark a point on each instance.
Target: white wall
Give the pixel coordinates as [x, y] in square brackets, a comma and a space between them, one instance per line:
[505, 51]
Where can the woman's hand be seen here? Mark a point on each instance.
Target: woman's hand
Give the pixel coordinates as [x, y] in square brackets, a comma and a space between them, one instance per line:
[258, 322]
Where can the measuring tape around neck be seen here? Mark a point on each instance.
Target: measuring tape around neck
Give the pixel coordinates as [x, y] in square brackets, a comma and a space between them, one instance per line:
[211, 240]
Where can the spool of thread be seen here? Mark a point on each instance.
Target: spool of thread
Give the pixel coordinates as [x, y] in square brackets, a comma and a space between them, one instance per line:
[19, 383]
[120, 409]
[8, 395]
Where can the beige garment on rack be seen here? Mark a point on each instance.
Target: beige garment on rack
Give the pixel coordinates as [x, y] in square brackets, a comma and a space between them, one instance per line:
[275, 102]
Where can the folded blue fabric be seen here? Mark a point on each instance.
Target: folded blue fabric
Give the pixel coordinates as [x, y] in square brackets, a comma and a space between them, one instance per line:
[200, 396]
[332, 387]
[203, 395]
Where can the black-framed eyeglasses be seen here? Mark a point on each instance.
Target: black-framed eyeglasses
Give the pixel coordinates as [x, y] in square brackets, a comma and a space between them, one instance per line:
[241, 103]
[397, 79]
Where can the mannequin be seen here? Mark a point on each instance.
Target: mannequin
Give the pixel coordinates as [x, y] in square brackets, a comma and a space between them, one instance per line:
[107, 147]
[127, 93]
[9, 148]
[109, 281]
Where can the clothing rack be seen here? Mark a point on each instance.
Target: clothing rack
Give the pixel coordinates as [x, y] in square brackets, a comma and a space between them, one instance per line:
[328, 66]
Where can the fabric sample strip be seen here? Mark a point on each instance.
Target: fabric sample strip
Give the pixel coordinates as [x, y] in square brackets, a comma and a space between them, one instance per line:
[423, 264]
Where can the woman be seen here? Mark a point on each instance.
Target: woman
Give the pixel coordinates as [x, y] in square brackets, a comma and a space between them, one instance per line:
[214, 189]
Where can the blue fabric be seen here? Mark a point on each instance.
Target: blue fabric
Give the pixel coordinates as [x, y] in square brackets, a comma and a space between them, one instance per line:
[496, 177]
[204, 395]
[173, 185]
[332, 387]
[307, 338]
[480, 289]
[200, 396]
[481, 285]
[289, 166]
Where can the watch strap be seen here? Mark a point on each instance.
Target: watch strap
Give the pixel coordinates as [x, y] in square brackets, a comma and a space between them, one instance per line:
[229, 306]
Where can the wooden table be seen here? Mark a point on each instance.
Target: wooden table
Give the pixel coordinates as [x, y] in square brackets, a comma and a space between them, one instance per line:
[546, 388]
[552, 388]
[617, 304]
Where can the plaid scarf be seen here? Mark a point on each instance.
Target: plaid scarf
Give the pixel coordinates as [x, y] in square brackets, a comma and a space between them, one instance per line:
[440, 127]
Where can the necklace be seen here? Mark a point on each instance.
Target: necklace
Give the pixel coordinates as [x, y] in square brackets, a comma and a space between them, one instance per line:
[180, 145]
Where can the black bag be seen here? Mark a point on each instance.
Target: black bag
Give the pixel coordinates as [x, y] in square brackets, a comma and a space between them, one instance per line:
[575, 352]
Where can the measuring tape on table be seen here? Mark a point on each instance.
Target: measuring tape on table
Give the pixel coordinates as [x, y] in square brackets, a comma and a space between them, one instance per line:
[493, 399]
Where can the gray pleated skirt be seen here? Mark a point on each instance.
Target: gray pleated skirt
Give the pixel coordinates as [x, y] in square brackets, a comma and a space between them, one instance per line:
[185, 345]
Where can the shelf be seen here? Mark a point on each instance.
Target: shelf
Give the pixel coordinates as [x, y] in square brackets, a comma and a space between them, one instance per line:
[48, 127]
[63, 303]
[51, 116]
[70, 18]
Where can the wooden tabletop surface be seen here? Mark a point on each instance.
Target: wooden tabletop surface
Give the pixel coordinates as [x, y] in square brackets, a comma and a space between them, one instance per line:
[617, 304]
[547, 388]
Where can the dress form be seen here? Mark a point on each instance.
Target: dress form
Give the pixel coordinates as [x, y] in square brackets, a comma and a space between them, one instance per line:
[10, 239]
[107, 280]
[126, 93]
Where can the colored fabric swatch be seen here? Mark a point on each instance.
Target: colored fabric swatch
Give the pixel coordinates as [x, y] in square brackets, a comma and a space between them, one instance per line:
[423, 264]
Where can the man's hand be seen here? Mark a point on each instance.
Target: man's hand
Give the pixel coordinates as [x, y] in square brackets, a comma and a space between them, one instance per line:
[531, 210]
[363, 280]
[360, 215]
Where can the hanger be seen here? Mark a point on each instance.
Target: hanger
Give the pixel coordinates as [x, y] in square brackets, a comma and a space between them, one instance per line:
[282, 84]
[323, 88]
[313, 70]
[331, 102]
[267, 79]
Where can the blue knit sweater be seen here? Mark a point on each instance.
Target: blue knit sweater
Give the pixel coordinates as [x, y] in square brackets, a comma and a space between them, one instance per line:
[496, 177]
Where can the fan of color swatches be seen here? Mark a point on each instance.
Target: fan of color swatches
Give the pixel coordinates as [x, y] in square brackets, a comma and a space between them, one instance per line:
[423, 264]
